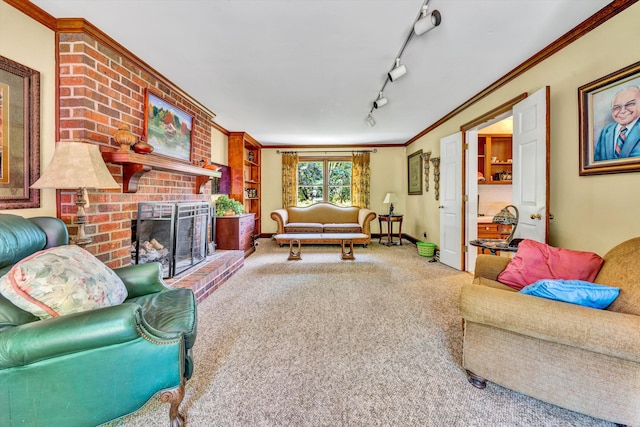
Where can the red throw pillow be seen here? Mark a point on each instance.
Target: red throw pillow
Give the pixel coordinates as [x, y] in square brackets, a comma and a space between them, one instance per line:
[535, 261]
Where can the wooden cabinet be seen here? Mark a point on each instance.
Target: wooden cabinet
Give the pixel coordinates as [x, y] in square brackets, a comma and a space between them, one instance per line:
[489, 230]
[494, 159]
[245, 164]
[235, 233]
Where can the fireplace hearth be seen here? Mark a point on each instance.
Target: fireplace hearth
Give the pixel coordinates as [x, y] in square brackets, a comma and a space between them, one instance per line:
[174, 234]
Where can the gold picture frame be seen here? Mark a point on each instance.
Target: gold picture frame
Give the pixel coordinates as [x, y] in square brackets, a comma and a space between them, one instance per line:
[19, 135]
[604, 106]
[414, 174]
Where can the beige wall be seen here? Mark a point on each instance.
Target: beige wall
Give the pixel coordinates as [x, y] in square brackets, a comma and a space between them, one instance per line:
[31, 44]
[219, 147]
[591, 213]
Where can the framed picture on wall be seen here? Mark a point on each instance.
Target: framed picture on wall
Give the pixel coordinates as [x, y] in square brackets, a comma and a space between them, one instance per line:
[414, 163]
[167, 128]
[19, 135]
[609, 109]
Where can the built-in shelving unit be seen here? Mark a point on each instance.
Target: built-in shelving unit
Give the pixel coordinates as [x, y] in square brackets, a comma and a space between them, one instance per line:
[135, 165]
[494, 159]
[245, 163]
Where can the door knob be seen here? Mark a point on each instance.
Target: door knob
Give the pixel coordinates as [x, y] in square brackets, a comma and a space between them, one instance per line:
[536, 216]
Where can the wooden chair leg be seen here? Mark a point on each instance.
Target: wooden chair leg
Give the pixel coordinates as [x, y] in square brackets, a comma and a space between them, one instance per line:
[174, 397]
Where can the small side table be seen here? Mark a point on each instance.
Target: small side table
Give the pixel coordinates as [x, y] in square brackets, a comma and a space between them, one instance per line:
[390, 219]
[494, 246]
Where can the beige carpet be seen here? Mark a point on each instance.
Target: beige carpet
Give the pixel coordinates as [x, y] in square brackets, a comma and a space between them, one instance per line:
[324, 342]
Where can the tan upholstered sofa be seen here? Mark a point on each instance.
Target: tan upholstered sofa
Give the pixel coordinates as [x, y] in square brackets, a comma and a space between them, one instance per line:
[324, 218]
[579, 358]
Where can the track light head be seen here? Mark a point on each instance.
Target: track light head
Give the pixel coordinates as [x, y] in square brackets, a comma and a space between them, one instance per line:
[380, 102]
[397, 71]
[370, 121]
[427, 22]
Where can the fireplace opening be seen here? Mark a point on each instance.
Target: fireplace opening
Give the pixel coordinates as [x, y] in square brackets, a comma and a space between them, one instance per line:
[174, 234]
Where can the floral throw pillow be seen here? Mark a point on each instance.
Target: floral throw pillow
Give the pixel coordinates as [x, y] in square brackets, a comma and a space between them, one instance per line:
[62, 280]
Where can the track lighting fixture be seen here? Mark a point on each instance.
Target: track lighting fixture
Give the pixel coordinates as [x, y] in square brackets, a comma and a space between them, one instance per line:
[427, 21]
[370, 121]
[398, 71]
[381, 101]
[423, 23]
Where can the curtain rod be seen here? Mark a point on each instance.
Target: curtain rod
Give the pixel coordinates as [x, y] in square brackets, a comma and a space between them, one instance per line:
[375, 150]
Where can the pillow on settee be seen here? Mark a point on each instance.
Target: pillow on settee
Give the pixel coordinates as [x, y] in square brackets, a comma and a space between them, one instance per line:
[534, 261]
[62, 280]
[574, 291]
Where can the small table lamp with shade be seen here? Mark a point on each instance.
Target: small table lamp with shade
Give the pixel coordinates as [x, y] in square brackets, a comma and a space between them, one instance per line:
[79, 166]
[507, 218]
[390, 198]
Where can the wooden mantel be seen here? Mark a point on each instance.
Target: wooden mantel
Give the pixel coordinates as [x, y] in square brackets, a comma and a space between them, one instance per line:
[135, 165]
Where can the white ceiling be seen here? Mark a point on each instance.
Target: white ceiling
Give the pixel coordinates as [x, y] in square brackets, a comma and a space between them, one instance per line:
[306, 72]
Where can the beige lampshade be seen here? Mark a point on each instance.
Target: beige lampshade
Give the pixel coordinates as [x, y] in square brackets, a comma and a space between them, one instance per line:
[76, 165]
[390, 198]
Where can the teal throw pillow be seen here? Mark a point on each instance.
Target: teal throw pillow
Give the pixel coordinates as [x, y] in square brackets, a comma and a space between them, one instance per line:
[573, 291]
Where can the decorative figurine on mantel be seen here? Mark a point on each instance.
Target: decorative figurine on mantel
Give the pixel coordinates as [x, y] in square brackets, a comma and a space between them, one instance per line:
[125, 138]
[208, 165]
[142, 147]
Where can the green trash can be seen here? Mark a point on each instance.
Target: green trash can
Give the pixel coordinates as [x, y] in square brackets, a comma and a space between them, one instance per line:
[426, 248]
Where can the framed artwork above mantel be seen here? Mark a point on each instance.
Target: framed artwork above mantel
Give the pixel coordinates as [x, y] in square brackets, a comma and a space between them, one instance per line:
[19, 135]
[167, 128]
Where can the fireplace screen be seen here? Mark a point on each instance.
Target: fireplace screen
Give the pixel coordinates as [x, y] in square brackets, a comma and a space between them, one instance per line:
[173, 234]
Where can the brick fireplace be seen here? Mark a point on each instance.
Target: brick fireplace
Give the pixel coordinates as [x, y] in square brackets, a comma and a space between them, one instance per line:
[102, 86]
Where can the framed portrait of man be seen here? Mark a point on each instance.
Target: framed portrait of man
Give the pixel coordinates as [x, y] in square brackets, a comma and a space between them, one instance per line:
[609, 113]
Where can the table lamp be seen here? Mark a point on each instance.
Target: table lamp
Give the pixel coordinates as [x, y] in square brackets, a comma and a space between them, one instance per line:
[508, 218]
[390, 198]
[77, 165]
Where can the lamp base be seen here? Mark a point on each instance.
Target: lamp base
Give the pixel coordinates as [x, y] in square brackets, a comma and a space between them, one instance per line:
[81, 239]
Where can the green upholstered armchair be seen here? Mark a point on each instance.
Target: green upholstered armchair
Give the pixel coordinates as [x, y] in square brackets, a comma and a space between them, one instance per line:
[90, 367]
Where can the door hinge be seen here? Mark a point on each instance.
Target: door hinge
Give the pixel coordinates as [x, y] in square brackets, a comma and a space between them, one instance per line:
[464, 249]
[465, 146]
[465, 198]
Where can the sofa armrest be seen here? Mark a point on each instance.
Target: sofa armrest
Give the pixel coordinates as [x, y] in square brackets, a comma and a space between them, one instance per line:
[601, 331]
[490, 266]
[365, 216]
[54, 228]
[281, 217]
[142, 279]
[72, 333]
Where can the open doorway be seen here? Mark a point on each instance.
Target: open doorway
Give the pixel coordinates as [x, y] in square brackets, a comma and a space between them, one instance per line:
[495, 172]
[526, 177]
[490, 160]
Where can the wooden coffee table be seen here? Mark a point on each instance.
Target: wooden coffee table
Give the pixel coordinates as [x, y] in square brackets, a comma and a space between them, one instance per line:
[295, 252]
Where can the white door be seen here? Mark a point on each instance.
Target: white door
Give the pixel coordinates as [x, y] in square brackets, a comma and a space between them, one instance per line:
[531, 165]
[451, 200]
[471, 210]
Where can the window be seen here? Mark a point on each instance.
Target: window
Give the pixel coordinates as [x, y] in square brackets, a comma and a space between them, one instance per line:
[324, 180]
